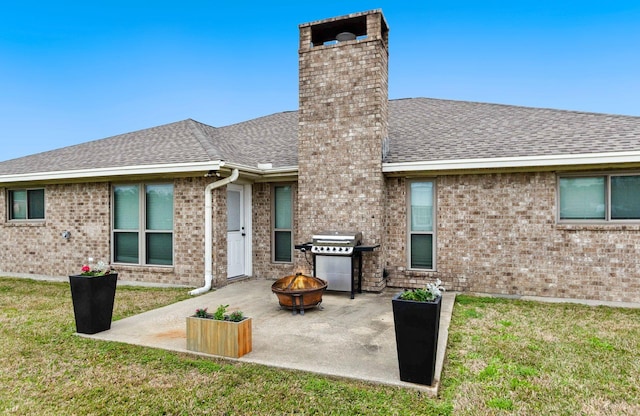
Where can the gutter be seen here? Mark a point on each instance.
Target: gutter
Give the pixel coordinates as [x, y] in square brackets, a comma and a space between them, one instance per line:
[113, 171]
[514, 162]
[208, 230]
[263, 170]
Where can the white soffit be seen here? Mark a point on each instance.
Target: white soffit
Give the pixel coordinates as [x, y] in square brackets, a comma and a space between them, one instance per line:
[514, 162]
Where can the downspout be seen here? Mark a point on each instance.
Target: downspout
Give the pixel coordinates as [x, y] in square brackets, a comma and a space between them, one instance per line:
[208, 231]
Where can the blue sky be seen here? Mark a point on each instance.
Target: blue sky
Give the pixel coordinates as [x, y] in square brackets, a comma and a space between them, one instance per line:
[74, 71]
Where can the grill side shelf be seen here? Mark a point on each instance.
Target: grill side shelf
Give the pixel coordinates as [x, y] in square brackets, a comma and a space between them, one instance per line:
[306, 246]
[366, 248]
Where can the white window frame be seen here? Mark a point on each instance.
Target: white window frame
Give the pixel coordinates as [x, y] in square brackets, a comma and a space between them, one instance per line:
[273, 223]
[142, 225]
[607, 193]
[434, 227]
[9, 199]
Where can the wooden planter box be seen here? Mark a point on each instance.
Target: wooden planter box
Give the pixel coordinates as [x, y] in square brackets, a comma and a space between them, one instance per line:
[417, 325]
[226, 338]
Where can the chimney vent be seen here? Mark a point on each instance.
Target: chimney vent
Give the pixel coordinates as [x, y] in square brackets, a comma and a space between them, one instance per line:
[345, 36]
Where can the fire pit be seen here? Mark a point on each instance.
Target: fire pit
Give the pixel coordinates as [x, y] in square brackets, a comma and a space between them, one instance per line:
[299, 292]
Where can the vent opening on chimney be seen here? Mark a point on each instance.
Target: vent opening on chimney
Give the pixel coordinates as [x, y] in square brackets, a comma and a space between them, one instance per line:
[345, 36]
[339, 31]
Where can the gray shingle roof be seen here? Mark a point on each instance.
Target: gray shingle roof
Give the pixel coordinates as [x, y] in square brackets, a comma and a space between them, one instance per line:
[271, 139]
[178, 142]
[420, 129]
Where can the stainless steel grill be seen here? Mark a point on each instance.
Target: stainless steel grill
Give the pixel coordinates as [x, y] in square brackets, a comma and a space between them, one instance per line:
[337, 259]
[336, 243]
[334, 253]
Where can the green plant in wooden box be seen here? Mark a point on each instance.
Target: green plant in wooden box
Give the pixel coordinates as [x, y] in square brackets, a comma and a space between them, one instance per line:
[219, 333]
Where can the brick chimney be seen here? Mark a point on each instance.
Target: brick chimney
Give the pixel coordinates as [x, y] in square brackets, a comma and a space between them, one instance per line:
[343, 111]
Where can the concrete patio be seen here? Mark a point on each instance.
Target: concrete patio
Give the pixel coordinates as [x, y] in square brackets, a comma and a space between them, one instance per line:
[349, 338]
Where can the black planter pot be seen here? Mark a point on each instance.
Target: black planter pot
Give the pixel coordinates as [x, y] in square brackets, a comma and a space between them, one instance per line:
[417, 325]
[93, 301]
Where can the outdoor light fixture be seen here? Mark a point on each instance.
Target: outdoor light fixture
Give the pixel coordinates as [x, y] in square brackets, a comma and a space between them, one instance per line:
[212, 173]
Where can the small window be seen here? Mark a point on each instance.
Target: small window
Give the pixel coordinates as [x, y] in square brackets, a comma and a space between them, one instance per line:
[26, 204]
[599, 198]
[625, 197]
[282, 230]
[143, 224]
[421, 225]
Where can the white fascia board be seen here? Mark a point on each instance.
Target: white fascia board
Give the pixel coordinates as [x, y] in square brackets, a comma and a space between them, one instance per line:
[514, 162]
[258, 171]
[113, 171]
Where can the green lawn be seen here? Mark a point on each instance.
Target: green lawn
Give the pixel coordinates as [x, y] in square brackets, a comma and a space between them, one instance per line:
[504, 357]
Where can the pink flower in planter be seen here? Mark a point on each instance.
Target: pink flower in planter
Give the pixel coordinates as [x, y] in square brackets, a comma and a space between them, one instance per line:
[99, 269]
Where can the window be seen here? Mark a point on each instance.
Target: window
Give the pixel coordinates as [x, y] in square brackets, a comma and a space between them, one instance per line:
[599, 198]
[421, 225]
[282, 235]
[143, 224]
[26, 204]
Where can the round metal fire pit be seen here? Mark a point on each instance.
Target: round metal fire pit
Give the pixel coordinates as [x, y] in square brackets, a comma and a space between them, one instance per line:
[299, 292]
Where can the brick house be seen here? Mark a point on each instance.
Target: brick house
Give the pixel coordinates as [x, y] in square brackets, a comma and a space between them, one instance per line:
[488, 198]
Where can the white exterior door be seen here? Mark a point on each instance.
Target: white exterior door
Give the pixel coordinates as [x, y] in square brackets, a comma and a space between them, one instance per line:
[236, 233]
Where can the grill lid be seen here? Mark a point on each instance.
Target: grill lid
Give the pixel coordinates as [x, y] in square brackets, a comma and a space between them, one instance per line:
[336, 242]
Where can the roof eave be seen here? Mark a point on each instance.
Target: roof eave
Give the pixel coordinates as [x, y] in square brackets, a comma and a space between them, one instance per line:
[519, 162]
[140, 170]
[259, 174]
